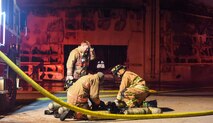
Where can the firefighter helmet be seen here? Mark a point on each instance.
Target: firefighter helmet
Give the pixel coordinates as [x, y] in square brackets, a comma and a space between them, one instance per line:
[115, 69]
[100, 75]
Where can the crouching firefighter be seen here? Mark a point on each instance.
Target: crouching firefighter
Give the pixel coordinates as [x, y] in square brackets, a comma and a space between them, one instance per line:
[84, 89]
[133, 90]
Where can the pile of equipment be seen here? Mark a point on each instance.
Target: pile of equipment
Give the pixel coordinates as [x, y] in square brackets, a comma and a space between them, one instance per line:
[148, 107]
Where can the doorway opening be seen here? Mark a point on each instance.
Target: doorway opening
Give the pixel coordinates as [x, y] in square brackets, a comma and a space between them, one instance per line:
[107, 55]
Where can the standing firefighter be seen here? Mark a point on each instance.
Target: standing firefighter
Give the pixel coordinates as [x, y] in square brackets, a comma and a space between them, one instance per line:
[133, 90]
[78, 62]
[84, 89]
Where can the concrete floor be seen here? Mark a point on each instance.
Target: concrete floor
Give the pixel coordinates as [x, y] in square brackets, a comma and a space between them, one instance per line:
[172, 102]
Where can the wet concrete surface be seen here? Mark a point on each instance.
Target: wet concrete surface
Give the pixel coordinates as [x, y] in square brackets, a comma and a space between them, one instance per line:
[30, 110]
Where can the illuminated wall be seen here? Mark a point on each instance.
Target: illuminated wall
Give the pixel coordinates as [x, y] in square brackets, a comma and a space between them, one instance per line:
[164, 44]
[49, 30]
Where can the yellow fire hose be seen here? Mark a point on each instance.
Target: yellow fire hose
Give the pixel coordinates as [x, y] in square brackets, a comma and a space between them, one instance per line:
[92, 113]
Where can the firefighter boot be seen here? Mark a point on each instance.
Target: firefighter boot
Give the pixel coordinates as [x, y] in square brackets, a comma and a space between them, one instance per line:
[67, 114]
[57, 115]
[152, 103]
[53, 107]
[48, 112]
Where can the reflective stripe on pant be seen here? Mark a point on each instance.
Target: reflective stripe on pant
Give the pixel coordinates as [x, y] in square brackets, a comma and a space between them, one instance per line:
[134, 96]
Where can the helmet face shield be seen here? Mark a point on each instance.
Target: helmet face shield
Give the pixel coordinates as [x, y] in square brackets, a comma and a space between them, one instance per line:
[116, 69]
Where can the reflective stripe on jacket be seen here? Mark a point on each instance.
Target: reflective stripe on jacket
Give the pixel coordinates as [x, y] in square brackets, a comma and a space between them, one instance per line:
[87, 87]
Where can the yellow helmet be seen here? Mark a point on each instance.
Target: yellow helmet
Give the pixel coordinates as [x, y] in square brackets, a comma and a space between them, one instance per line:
[115, 69]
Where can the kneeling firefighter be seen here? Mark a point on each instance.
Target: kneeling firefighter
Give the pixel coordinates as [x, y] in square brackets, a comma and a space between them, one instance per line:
[84, 89]
[133, 90]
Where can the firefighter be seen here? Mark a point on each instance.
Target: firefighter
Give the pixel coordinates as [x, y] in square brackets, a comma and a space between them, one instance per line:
[84, 89]
[133, 90]
[78, 62]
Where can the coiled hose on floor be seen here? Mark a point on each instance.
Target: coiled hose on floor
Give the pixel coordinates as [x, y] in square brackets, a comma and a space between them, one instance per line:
[92, 113]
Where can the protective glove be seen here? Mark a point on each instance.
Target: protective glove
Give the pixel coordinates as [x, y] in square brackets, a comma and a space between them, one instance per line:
[69, 82]
[117, 102]
[119, 97]
[120, 103]
[102, 105]
[92, 53]
[94, 107]
[69, 77]
[91, 49]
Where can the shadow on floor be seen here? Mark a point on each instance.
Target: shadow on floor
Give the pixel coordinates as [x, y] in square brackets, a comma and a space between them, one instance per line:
[166, 109]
